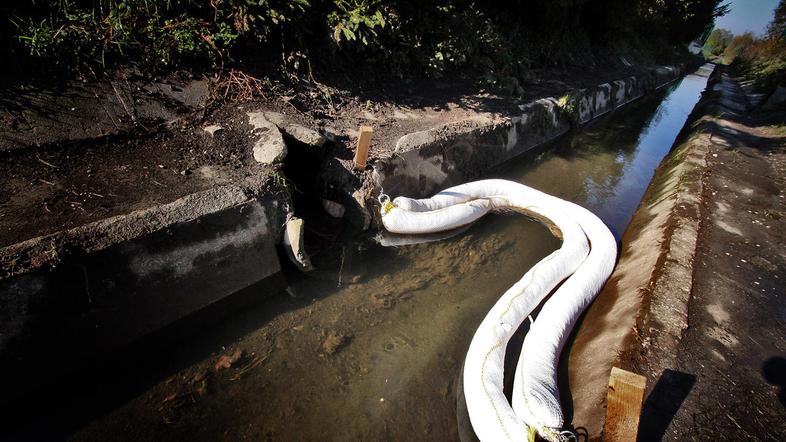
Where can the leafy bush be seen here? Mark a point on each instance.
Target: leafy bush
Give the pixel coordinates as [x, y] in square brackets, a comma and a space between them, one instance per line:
[762, 59]
[496, 42]
[356, 21]
[717, 42]
[737, 45]
[161, 33]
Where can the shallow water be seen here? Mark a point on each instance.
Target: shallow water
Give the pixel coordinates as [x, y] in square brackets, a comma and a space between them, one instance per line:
[370, 346]
[608, 165]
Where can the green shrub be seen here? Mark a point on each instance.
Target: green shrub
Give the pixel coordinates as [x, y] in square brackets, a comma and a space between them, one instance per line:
[160, 33]
[717, 42]
[356, 20]
[497, 43]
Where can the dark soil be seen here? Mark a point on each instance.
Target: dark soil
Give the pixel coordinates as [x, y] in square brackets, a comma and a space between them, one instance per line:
[61, 185]
[395, 107]
[46, 190]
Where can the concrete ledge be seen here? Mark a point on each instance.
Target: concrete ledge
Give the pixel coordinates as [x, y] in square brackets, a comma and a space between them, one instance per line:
[430, 160]
[106, 284]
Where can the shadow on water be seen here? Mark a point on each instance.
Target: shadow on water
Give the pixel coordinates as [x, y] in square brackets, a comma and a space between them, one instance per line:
[54, 393]
[63, 401]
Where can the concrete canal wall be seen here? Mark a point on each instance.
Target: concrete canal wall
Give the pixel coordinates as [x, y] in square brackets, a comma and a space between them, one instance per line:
[109, 283]
[427, 161]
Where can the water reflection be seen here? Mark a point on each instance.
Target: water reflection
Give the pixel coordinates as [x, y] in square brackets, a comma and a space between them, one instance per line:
[608, 166]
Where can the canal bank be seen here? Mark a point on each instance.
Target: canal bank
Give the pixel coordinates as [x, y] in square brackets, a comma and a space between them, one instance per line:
[709, 335]
[370, 344]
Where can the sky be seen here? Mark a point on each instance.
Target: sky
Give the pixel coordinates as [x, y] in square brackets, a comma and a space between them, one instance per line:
[748, 15]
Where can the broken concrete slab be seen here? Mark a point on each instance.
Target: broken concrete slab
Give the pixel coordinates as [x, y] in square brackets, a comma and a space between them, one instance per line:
[294, 130]
[270, 147]
[294, 242]
[107, 284]
[305, 135]
[360, 216]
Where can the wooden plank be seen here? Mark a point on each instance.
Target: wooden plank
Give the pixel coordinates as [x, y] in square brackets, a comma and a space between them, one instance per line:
[364, 141]
[623, 406]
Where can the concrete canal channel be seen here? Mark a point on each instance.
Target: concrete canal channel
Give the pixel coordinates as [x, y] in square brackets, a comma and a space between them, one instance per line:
[369, 345]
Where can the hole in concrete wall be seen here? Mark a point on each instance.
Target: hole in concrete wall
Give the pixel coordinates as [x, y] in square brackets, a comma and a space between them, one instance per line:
[303, 168]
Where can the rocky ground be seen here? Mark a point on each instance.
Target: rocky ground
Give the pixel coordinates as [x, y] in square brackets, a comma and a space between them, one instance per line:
[726, 376]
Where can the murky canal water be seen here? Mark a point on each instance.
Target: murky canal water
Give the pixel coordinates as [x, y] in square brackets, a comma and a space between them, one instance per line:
[370, 347]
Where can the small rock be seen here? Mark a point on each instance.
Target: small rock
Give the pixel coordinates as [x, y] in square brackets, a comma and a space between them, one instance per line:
[305, 135]
[296, 131]
[185, 172]
[269, 147]
[293, 239]
[213, 129]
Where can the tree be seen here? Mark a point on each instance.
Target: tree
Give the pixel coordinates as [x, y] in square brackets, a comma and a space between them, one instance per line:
[777, 29]
[688, 19]
[737, 45]
[717, 42]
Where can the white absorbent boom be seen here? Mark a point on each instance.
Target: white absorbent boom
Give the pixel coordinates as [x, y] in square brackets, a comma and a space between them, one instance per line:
[584, 261]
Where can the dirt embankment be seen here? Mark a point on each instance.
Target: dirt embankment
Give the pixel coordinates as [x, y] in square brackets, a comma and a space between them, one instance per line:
[76, 153]
[709, 333]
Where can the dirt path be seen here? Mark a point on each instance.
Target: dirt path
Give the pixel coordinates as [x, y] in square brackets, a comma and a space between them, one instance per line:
[729, 378]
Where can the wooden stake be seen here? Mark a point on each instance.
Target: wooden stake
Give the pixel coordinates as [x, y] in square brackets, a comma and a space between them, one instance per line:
[623, 406]
[364, 141]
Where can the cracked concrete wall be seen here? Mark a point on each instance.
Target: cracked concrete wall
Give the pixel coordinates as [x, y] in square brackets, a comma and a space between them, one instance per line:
[428, 161]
